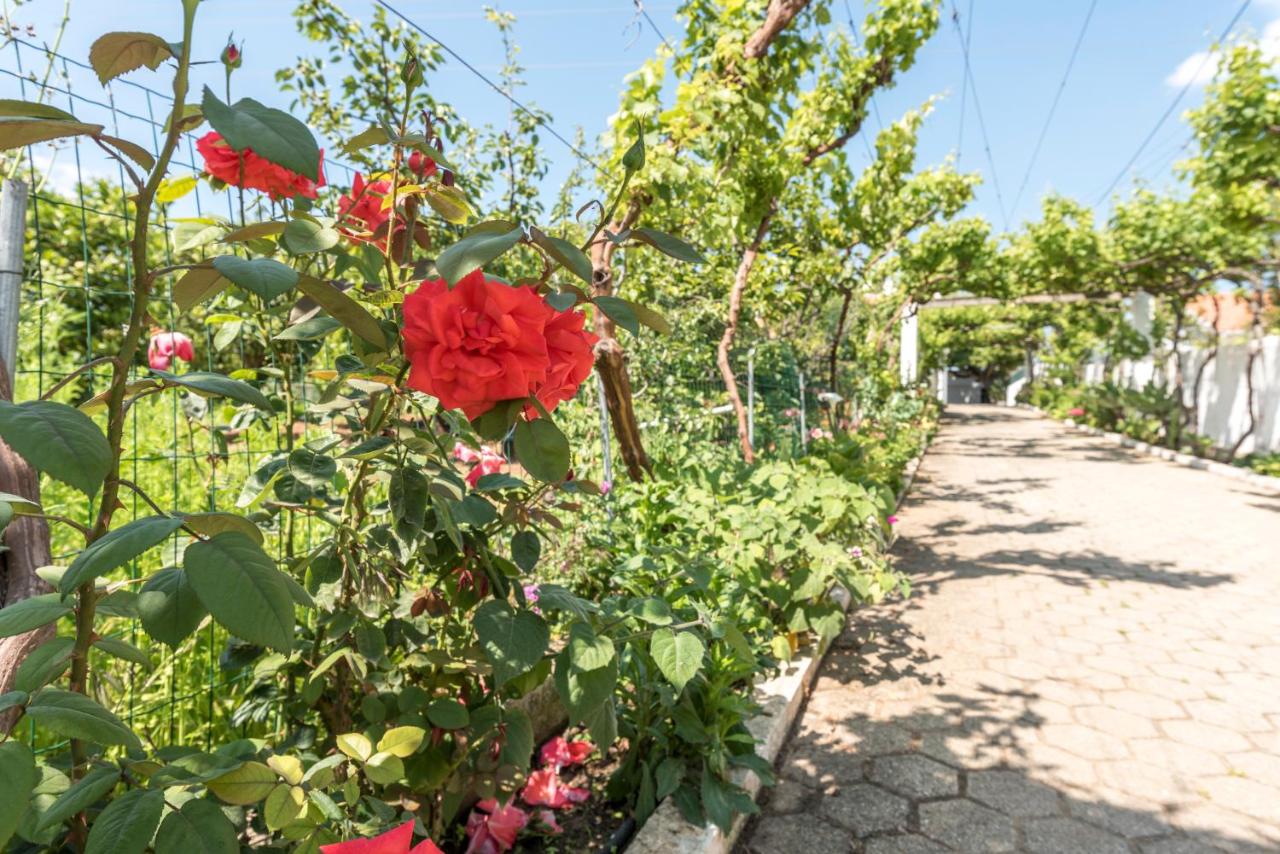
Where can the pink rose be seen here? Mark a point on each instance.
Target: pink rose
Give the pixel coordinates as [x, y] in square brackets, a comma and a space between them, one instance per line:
[558, 753]
[546, 789]
[165, 345]
[486, 461]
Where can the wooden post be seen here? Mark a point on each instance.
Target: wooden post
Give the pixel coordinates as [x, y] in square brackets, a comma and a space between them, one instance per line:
[13, 218]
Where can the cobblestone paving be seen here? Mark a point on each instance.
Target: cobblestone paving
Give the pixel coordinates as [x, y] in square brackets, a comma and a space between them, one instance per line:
[1090, 663]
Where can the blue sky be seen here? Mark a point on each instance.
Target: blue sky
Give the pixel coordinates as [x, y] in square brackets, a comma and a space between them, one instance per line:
[1135, 56]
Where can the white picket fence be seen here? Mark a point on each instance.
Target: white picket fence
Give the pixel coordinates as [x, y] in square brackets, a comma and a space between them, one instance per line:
[1222, 412]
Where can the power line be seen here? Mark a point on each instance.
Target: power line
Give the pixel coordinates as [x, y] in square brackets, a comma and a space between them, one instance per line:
[1204, 60]
[1044, 131]
[645, 14]
[495, 87]
[977, 109]
[964, 90]
[853, 31]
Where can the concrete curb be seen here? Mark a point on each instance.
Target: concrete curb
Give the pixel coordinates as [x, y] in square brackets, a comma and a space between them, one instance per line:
[1262, 481]
[781, 698]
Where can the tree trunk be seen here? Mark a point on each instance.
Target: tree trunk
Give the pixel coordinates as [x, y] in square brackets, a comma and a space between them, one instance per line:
[611, 361]
[1255, 347]
[1172, 431]
[27, 542]
[833, 356]
[740, 280]
[1191, 418]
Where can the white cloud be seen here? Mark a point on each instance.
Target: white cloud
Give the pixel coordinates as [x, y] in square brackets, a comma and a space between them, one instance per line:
[1200, 67]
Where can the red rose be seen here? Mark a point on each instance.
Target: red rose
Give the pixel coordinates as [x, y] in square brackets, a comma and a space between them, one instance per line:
[571, 353]
[360, 212]
[421, 165]
[476, 344]
[223, 163]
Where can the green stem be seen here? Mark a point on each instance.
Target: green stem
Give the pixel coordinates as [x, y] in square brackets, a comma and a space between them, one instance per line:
[142, 281]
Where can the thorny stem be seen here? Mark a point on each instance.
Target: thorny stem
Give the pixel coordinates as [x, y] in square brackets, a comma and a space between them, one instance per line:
[142, 282]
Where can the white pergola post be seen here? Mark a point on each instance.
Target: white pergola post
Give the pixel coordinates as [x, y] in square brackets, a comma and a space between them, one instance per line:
[909, 346]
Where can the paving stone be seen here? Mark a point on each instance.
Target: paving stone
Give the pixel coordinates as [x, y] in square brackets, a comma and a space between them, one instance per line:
[907, 843]
[966, 826]
[1013, 794]
[772, 834]
[1069, 836]
[865, 809]
[915, 776]
[1090, 657]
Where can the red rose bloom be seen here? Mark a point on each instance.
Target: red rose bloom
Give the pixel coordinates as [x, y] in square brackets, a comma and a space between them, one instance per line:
[360, 213]
[223, 163]
[476, 344]
[421, 165]
[571, 354]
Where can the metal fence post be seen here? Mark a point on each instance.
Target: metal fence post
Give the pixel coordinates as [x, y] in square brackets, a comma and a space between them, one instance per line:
[13, 219]
[751, 397]
[804, 429]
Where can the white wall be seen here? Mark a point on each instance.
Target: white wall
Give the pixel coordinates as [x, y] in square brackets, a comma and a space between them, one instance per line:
[1222, 414]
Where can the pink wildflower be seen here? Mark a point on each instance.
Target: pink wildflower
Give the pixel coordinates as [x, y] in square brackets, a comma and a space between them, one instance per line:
[545, 789]
[558, 753]
[486, 461]
[493, 829]
[892, 520]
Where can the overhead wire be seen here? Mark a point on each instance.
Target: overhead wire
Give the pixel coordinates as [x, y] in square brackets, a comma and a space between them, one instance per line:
[1164, 117]
[1053, 107]
[537, 118]
[977, 109]
[964, 90]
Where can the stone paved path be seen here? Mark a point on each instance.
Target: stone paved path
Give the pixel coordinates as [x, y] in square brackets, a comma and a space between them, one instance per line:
[1090, 663]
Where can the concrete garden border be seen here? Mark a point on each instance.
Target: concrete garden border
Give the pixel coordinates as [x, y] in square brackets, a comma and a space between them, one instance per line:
[1262, 481]
[781, 698]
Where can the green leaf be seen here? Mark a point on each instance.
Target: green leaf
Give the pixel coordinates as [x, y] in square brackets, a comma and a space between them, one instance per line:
[448, 713]
[200, 827]
[542, 449]
[582, 691]
[304, 236]
[117, 548]
[172, 189]
[620, 312]
[564, 253]
[19, 131]
[372, 135]
[242, 589]
[84, 793]
[344, 309]
[44, 664]
[114, 54]
[654, 611]
[315, 470]
[265, 277]
[526, 548]
[74, 715]
[677, 654]
[513, 641]
[553, 597]
[588, 651]
[311, 329]
[355, 745]
[117, 648]
[384, 768]
[370, 448]
[18, 778]
[475, 250]
[668, 245]
[197, 285]
[602, 723]
[132, 150]
[215, 522]
[402, 741]
[209, 384]
[196, 232]
[651, 318]
[255, 231]
[449, 202]
[27, 614]
[30, 109]
[285, 805]
[127, 824]
[272, 134]
[248, 784]
[59, 440]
